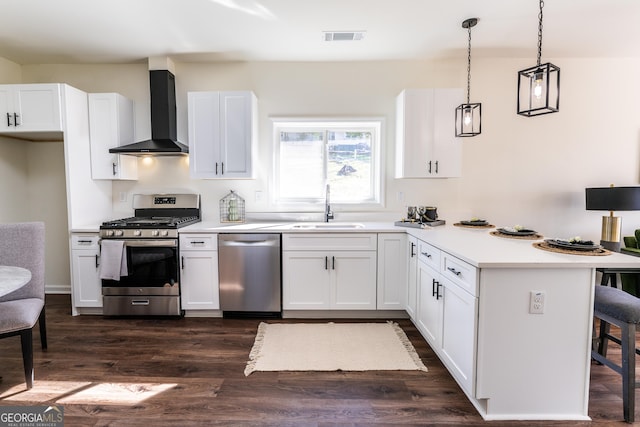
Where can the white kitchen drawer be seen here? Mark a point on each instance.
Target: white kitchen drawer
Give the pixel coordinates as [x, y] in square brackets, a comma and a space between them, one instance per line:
[430, 255]
[198, 242]
[333, 242]
[459, 272]
[85, 241]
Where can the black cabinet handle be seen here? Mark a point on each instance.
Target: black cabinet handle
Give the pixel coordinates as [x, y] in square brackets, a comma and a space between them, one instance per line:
[436, 166]
[8, 119]
[429, 166]
[413, 246]
[333, 263]
[216, 168]
[427, 254]
[438, 294]
[97, 261]
[454, 271]
[113, 166]
[222, 163]
[15, 119]
[326, 263]
[433, 287]
[182, 263]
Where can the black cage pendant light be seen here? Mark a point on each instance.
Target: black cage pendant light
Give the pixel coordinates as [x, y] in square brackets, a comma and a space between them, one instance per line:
[469, 116]
[539, 86]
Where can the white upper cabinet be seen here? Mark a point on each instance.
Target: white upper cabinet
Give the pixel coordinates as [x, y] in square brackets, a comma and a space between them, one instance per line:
[30, 108]
[426, 146]
[222, 134]
[111, 125]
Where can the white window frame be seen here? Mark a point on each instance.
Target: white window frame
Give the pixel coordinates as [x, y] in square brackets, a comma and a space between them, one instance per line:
[374, 124]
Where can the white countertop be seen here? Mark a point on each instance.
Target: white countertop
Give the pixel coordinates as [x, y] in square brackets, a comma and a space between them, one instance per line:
[475, 246]
[481, 249]
[292, 227]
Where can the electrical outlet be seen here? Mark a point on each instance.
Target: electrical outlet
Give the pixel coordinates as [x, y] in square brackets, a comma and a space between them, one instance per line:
[536, 302]
[123, 196]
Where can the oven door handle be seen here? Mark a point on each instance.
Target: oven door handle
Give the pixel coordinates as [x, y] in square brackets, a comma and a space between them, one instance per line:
[169, 243]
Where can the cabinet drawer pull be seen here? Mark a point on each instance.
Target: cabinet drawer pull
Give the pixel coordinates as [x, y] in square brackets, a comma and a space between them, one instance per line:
[182, 263]
[326, 263]
[197, 242]
[9, 119]
[333, 263]
[222, 168]
[15, 119]
[97, 261]
[216, 168]
[413, 246]
[113, 166]
[140, 302]
[84, 242]
[429, 166]
[427, 254]
[436, 166]
[438, 294]
[433, 287]
[454, 271]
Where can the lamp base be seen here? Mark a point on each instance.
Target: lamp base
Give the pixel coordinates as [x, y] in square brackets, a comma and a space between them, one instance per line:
[612, 246]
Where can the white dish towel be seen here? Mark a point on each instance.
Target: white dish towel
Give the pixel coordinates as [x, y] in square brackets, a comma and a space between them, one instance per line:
[114, 260]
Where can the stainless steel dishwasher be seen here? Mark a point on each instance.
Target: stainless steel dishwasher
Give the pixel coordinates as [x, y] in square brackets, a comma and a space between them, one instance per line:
[249, 269]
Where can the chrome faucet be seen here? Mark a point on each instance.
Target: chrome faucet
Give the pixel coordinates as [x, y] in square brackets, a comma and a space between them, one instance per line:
[327, 206]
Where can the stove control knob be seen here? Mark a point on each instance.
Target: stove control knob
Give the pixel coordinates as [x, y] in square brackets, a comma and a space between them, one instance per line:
[137, 233]
[109, 233]
[118, 233]
[155, 233]
[164, 233]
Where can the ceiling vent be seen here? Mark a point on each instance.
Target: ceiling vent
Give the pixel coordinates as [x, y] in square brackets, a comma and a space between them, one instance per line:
[350, 36]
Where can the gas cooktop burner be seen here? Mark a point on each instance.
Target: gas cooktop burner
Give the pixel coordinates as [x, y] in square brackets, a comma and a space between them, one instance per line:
[151, 222]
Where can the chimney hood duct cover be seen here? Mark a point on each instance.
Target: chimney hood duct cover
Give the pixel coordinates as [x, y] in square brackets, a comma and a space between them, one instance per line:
[164, 139]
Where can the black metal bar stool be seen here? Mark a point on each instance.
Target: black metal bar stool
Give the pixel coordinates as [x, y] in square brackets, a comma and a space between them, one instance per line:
[616, 307]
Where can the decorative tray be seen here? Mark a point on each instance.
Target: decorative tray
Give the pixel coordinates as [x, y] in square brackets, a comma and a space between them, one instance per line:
[414, 224]
[566, 244]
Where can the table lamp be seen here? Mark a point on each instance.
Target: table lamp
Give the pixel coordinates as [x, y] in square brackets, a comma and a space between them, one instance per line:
[612, 199]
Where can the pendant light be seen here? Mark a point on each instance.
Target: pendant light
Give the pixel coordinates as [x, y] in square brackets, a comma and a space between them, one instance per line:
[468, 116]
[539, 86]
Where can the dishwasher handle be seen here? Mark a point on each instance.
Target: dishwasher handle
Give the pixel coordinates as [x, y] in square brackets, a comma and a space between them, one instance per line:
[250, 243]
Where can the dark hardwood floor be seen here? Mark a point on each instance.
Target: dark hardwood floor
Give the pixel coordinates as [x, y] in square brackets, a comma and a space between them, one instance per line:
[189, 372]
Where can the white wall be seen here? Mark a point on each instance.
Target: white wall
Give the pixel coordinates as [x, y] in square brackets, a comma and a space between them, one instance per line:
[528, 171]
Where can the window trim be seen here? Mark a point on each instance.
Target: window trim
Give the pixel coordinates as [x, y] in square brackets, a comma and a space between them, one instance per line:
[322, 123]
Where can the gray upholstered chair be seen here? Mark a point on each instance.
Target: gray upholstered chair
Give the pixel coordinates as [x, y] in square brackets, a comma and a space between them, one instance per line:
[614, 306]
[22, 245]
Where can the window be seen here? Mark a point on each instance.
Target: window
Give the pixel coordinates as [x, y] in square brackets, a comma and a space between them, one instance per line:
[311, 154]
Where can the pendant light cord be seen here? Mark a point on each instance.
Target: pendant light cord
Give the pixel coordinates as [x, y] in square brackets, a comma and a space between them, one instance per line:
[539, 32]
[469, 66]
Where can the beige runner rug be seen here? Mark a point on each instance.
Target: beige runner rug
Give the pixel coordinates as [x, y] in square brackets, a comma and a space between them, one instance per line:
[332, 347]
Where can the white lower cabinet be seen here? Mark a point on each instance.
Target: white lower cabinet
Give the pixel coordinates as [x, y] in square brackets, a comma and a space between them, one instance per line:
[392, 271]
[199, 272]
[447, 311]
[324, 271]
[85, 271]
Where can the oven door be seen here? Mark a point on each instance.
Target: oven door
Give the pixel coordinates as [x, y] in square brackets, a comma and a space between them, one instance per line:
[152, 269]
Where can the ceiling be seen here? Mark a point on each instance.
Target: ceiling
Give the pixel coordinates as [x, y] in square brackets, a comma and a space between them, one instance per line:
[130, 31]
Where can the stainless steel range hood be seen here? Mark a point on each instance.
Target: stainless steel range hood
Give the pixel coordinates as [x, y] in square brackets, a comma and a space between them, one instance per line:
[164, 141]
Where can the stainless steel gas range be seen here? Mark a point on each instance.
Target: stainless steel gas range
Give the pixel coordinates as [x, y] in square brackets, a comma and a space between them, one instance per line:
[144, 251]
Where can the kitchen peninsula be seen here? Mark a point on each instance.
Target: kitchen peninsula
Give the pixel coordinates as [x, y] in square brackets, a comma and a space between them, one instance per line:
[469, 293]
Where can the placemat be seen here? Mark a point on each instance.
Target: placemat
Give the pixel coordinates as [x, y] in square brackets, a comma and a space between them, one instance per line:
[509, 236]
[547, 247]
[458, 224]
